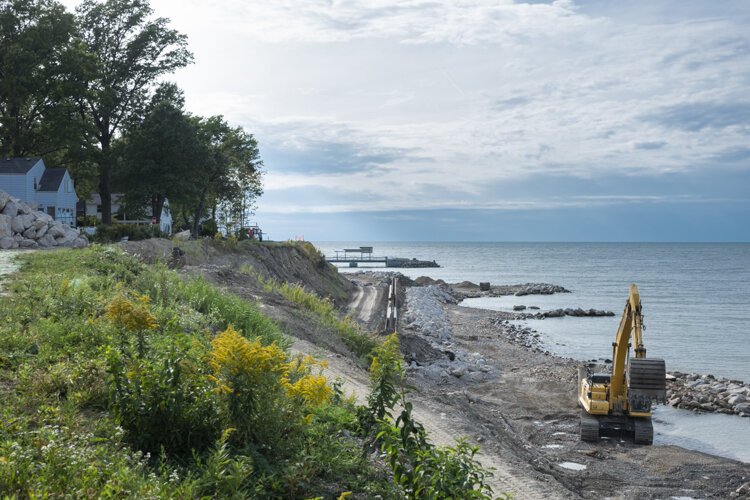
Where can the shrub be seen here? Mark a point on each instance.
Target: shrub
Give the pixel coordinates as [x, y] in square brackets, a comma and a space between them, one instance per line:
[116, 232]
[266, 395]
[163, 403]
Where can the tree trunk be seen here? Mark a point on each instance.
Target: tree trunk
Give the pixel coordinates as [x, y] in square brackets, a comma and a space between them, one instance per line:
[157, 205]
[105, 192]
[199, 212]
[105, 181]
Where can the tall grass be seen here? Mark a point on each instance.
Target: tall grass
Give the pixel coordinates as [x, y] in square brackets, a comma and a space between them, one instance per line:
[356, 338]
[111, 386]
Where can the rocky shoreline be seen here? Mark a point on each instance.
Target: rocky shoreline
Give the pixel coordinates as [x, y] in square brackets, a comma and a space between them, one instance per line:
[469, 290]
[559, 313]
[706, 393]
[426, 314]
[515, 397]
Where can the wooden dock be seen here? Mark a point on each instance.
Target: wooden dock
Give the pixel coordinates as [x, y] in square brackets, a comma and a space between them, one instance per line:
[364, 255]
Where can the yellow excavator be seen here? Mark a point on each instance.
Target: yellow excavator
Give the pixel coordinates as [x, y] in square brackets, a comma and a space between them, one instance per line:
[620, 402]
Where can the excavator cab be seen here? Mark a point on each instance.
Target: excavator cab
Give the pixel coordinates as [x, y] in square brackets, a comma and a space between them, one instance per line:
[620, 402]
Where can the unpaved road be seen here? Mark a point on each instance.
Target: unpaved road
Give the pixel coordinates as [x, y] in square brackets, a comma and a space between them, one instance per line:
[365, 305]
[443, 423]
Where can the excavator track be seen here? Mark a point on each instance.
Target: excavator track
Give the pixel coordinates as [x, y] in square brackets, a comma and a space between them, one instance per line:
[589, 427]
[643, 431]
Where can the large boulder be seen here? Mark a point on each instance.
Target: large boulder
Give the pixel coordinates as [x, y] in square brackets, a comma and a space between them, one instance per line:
[16, 224]
[47, 241]
[182, 235]
[28, 243]
[24, 208]
[4, 198]
[6, 242]
[57, 230]
[6, 228]
[44, 217]
[41, 231]
[68, 238]
[80, 243]
[11, 208]
[29, 234]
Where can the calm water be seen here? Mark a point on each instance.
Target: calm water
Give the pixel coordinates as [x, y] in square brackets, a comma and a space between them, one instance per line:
[695, 300]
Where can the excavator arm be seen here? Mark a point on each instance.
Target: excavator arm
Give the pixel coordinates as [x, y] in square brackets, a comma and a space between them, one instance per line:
[631, 326]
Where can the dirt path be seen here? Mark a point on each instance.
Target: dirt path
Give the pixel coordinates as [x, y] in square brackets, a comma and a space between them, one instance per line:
[365, 303]
[8, 265]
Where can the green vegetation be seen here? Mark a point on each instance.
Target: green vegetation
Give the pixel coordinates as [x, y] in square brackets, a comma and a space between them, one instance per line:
[122, 380]
[119, 379]
[116, 232]
[360, 342]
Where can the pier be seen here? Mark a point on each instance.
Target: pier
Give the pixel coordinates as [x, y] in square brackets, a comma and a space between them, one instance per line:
[354, 257]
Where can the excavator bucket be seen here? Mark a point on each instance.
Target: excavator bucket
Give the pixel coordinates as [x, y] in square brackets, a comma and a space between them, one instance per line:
[647, 379]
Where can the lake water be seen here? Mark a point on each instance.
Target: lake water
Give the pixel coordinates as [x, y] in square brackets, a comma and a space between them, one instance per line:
[695, 301]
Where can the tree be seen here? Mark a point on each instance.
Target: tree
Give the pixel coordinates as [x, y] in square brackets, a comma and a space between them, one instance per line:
[232, 173]
[162, 157]
[38, 77]
[130, 51]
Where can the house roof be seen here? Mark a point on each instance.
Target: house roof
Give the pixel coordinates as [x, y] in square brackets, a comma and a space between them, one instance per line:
[51, 179]
[17, 165]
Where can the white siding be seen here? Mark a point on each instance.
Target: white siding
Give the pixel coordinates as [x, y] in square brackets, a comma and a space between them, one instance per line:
[63, 201]
[22, 185]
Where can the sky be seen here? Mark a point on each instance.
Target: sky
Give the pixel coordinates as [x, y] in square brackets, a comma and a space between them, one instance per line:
[483, 120]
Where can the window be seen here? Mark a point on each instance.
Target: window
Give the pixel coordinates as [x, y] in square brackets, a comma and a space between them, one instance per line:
[35, 186]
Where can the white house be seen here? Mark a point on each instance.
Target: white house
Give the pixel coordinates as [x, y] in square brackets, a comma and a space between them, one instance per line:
[50, 190]
[94, 207]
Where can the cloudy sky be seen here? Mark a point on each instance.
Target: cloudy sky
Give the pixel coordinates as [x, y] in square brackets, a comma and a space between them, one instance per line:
[484, 119]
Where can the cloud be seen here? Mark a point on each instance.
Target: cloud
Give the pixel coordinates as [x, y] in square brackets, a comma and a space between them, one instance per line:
[326, 148]
[740, 154]
[465, 23]
[697, 116]
[649, 145]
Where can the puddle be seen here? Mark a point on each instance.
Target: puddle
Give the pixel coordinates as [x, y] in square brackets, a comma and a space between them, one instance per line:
[572, 466]
[552, 446]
